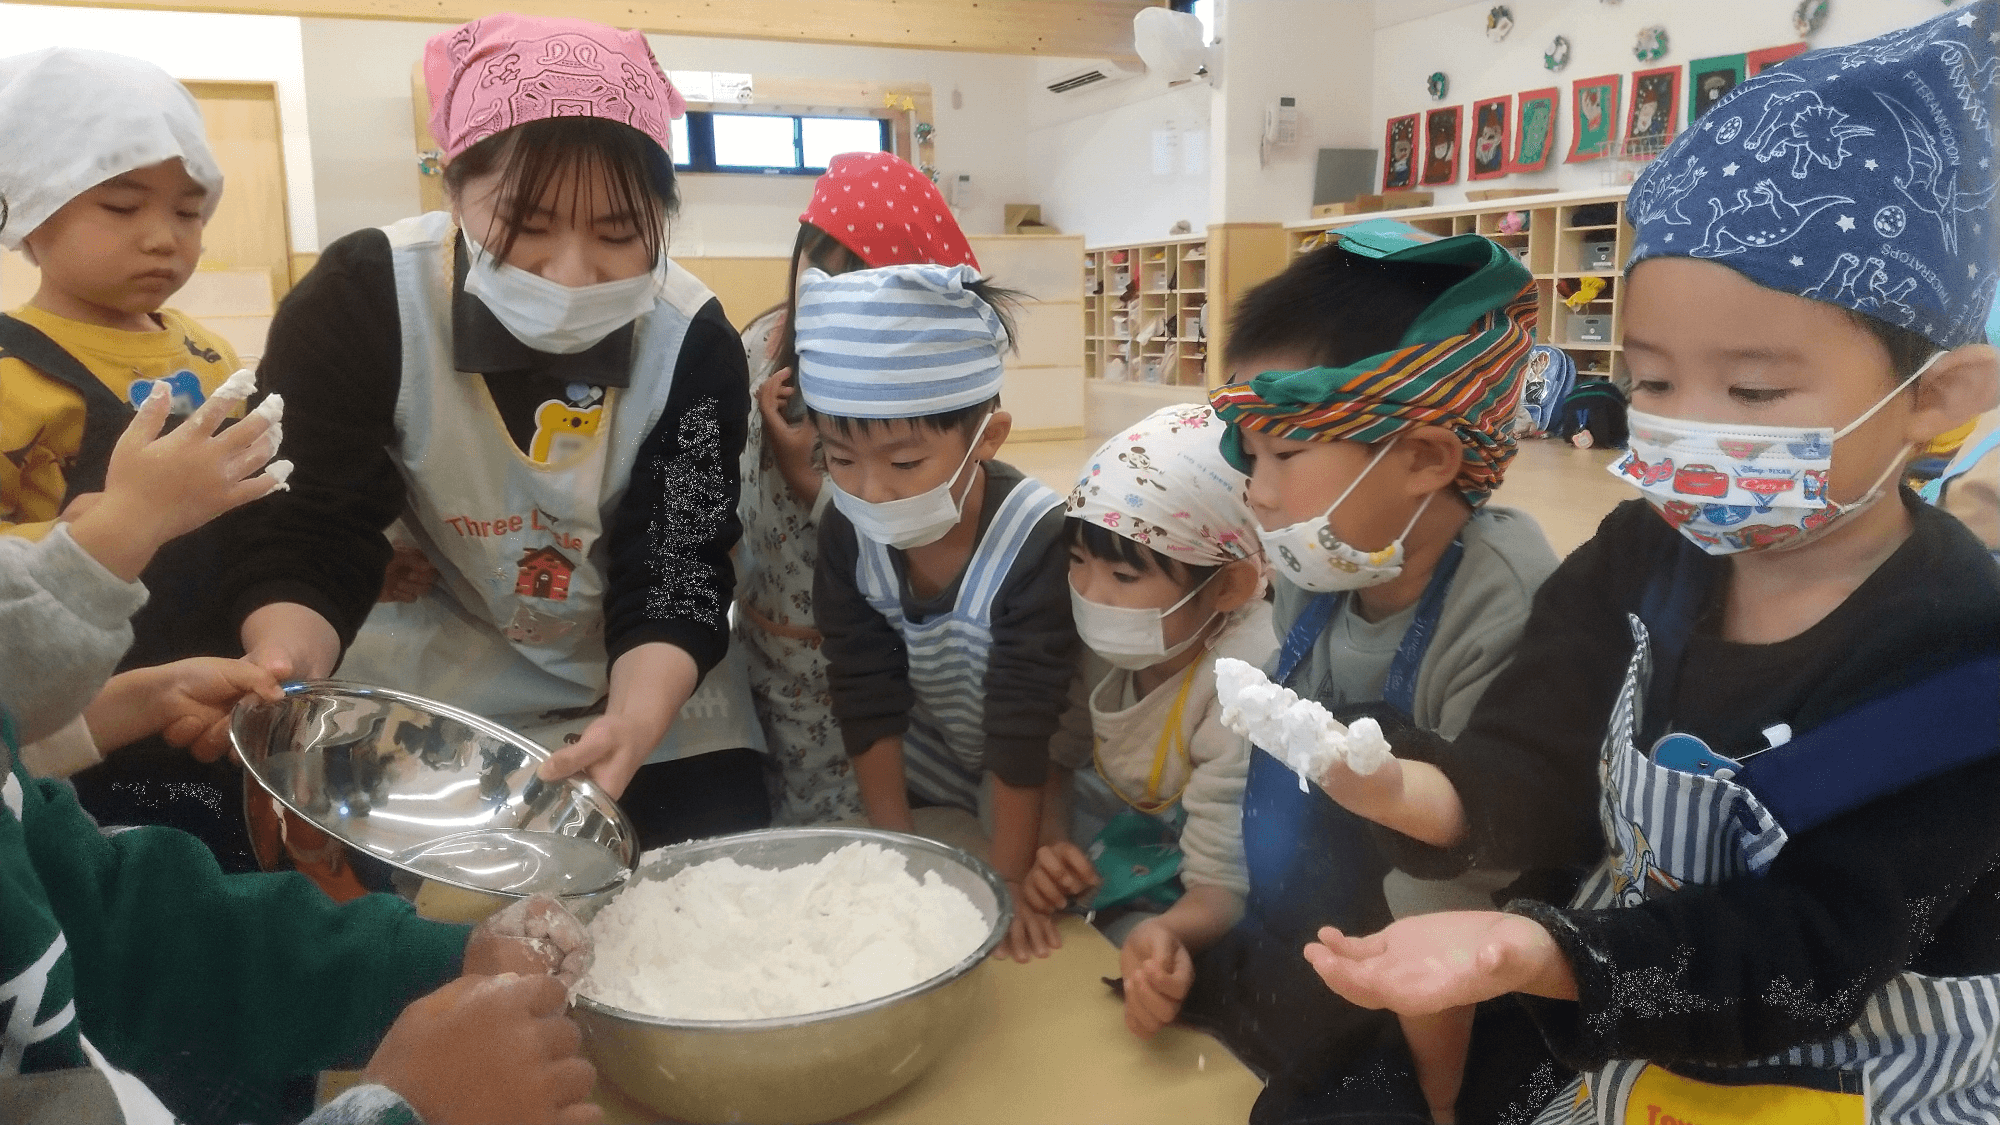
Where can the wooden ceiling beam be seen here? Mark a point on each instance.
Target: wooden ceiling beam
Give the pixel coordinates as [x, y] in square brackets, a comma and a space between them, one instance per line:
[1074, 28]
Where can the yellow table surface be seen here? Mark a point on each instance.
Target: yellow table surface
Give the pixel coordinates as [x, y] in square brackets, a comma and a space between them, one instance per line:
[1051, 1046]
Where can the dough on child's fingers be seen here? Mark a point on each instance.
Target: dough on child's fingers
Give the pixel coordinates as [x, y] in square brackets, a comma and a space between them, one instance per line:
[240, 385]
[279, 472]
[1298, 732]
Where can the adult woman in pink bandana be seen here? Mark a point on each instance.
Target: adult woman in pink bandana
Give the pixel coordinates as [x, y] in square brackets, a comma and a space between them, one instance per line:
[552, 408]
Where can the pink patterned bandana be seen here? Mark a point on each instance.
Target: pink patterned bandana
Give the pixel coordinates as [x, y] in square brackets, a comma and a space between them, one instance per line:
[506, 70]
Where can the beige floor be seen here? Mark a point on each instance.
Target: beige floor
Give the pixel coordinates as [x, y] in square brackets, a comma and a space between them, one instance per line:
[1564, 488]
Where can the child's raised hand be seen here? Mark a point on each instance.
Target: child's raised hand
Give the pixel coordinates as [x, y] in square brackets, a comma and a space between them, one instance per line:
[489, 1051]
[158, 487]
[791, 442]
[1423, 965]
[1061, 873]
[1158, 972]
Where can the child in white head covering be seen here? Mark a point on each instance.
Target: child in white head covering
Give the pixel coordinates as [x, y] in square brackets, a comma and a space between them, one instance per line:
[1165, 573]
[107, 185]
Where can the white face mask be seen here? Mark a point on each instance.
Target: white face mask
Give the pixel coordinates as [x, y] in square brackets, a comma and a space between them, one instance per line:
[913, 521]
[1131, 638]
[1310, 556]
[1731, 488]
[555, 318]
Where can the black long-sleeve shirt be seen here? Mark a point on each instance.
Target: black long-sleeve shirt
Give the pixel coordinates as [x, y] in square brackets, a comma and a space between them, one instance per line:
[1751, 966]
[1034, 653]
[335, 353]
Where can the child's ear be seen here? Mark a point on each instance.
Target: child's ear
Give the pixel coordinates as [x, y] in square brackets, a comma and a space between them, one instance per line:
[994, 437]
[1963, 384]
[1433, 457]
[1236, 584]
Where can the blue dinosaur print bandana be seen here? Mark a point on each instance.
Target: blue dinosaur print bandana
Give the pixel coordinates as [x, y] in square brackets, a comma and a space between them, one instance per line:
[1861, 176]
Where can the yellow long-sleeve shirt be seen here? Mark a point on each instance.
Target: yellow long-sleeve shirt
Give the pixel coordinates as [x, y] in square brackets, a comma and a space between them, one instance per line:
[41, 418]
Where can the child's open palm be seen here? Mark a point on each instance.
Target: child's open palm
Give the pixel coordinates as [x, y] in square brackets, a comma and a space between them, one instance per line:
[182, 480]
[1427, 964]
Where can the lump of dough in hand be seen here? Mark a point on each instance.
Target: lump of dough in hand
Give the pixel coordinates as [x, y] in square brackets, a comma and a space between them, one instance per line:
[281, 472]
[240, 385]
[1367, 751]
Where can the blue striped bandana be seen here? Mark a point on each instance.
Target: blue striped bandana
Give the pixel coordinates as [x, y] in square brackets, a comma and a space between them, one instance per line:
[903, 341]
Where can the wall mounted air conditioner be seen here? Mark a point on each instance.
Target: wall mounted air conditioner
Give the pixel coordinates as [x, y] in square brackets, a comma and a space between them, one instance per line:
[1096, 76]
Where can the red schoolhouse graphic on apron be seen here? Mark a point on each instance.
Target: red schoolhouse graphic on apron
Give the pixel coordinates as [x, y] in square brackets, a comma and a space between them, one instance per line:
[544, 573]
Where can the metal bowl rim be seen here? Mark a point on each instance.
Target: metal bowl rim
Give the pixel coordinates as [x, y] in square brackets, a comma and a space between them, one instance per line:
[535, 750]
[903, 840]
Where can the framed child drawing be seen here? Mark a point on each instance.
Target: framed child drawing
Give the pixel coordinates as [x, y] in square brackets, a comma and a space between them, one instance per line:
[1489, 138]
[1399, 154]
[1441, 133]
[1656, 108]
[1593, 118]
[1710, 80]
[1757, 62]
[1534, 129]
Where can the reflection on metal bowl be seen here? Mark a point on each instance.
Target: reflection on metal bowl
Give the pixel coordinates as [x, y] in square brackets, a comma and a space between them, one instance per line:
[434, 791]
[798, 1070]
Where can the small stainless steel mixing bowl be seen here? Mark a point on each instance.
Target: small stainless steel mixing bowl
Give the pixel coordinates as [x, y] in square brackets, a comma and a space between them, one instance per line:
[798, 1070]
[435, 791]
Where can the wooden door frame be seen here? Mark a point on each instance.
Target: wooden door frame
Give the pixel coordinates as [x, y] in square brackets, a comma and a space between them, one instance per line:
[226, 87]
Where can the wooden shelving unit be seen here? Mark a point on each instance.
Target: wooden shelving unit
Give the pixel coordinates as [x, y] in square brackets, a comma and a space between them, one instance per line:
[1155, 312]
[1558, 245]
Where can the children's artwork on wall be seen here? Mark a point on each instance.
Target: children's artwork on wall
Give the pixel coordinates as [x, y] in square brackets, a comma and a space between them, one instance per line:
[1535, 130]
[1489, 138]
[1438, 85]
[1499, 21]
[1594, 118]
[1757, 62]
[1656, 108]
[1710, 80]
[1809, 17]
[1441, 132]
[1557, 56]
[1399, 153]
[1651, 43]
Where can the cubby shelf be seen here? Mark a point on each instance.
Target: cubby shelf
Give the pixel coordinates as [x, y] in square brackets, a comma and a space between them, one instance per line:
[1146, 305]
[1558, 250]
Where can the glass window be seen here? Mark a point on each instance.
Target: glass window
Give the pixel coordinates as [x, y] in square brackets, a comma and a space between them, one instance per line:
[824, 138]
[749, 140]
[678, 134]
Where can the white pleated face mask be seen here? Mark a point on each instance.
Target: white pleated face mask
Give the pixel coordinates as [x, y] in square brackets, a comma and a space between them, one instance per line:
[913, 521]
[1131, 638]
[555, 318]
[1310, 556]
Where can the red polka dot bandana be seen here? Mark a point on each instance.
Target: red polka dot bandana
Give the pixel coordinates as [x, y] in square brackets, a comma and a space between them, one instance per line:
[887, 212]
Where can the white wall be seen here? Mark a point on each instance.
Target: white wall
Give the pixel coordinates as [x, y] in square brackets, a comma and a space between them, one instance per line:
[358, 72]
[1601, 36]
[1092, 155]
[193, 46]
[1317, 51]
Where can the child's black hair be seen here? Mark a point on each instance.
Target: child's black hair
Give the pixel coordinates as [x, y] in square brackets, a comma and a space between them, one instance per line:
[1100, 542]
[965, 420]
[1336, 307]
[1907, 350]
[638, 173]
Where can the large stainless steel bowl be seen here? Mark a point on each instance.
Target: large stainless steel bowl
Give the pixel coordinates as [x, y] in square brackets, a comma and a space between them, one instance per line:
[798, 1070]
[435, 791]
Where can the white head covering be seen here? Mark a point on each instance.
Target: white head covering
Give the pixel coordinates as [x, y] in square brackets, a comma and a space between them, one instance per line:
[903, 341]
[73, 119]
[1165, 483]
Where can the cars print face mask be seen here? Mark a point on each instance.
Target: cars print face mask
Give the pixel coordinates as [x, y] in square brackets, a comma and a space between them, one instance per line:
[1731, 488]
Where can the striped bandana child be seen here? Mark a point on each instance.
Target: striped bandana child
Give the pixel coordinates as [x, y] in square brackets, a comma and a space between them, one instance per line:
[949, 652]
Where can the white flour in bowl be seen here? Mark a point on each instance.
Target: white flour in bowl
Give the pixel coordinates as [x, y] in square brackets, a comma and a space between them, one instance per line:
[725, 941]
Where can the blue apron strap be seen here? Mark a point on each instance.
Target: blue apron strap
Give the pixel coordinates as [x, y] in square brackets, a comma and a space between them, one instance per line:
[1934, 491]
[1305, 631]
[1400, 689]
[1950, 720]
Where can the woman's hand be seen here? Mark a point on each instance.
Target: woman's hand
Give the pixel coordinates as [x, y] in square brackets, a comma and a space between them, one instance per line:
[410, 576]
[609, 751]
[791, 442]
[291, 642]
[1427, 964]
